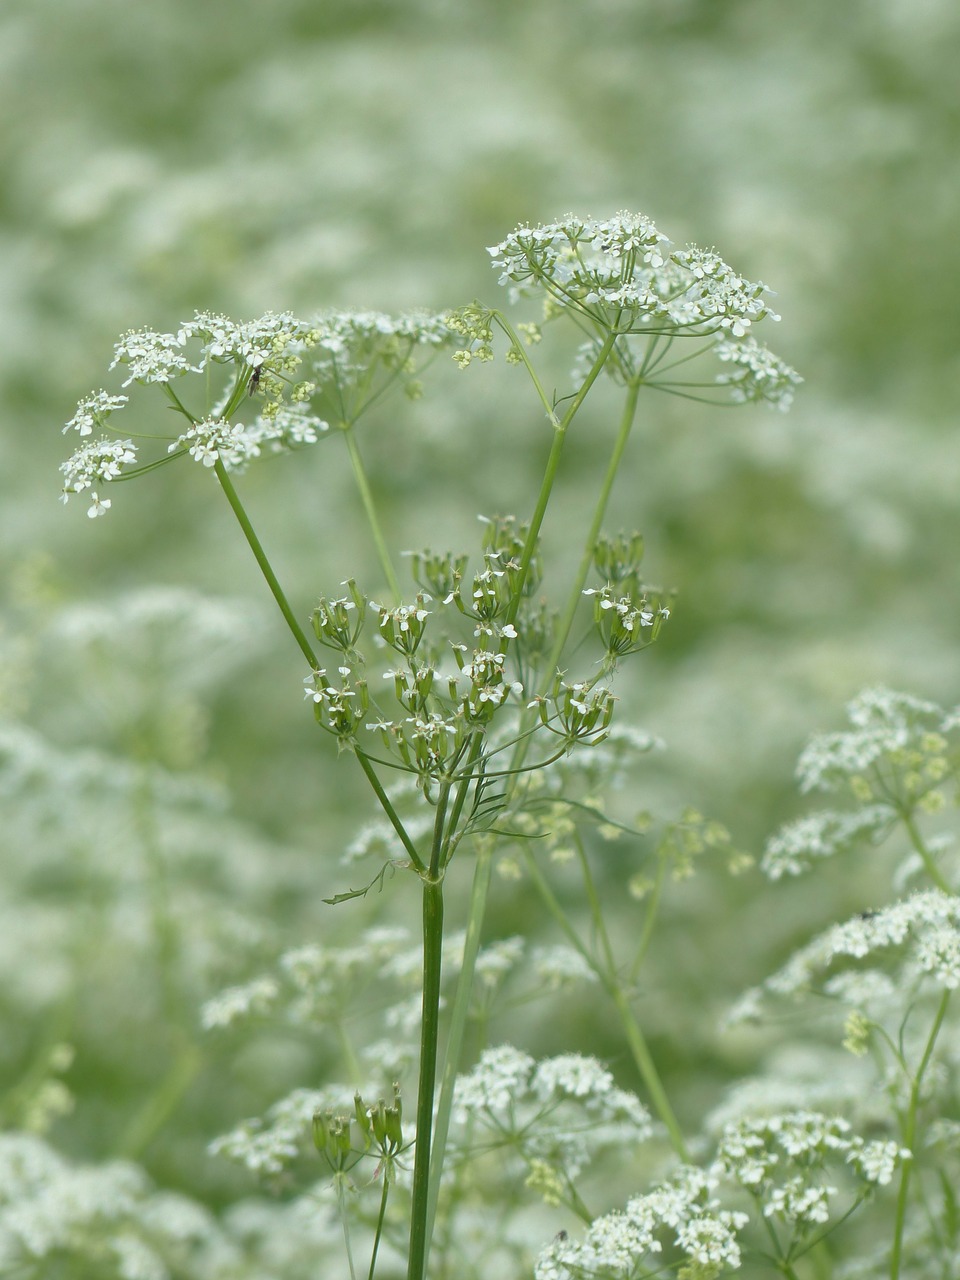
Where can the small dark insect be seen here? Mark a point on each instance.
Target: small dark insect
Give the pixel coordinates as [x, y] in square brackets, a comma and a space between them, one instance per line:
[560, 1237]
[254, 380]
[866, 915]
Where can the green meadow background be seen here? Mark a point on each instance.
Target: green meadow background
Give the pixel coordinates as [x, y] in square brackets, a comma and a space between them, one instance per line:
[163, 156]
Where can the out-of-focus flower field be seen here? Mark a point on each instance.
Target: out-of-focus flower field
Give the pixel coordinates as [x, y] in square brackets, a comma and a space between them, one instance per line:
[169, 821]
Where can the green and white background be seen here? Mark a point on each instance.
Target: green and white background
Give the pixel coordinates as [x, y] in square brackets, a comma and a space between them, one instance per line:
[179, 154]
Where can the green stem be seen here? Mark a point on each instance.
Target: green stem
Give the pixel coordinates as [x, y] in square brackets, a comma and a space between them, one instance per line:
[577, 1204]
[631, 1027]
[550, 473]
[586, 560]
[366, 497]
[520, 349]
[380, 1220]
[429, 1036]
[389, 810]
[456, 1031]
[157, 1110]
[916, 839]
[652, 911]
[345, 1222]
[910, 1137]
[429, 1039]
[779, 1260]
[596, 911]
[449, 845]
[265, 567]
[647, 1068]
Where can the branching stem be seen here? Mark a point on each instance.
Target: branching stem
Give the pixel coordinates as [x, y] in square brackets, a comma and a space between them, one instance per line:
[265, 567]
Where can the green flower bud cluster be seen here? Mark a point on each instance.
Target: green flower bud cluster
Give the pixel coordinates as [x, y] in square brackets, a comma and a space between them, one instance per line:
[344, 1140]
[333, 625]
[617, 561]
[441, 710]
[439, 575]
[577, 713]
[474, 324]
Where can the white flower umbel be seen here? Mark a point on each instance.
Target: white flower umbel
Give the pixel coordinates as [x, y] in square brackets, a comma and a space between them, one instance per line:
[757, 375]
[621, 276]
[275, 339]
[899, 762]
[886, 725]
[679, 1223]
[98, 461]
[210, 440]
[797, 845]
[561, 1111]
[918, 939]
[93, 411]
[102, 1220]
[235, 1003]
[151, 357]
[289, 428]
[358, 354]
[789, 1163]
[269, 1145]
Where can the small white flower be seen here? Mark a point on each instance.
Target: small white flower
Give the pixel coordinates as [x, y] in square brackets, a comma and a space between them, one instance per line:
[210, 440]
[821, 835]
[758, 375]
[96, 461]
[151, 357]
[98, 506]
[93, 411]
[238, 1002]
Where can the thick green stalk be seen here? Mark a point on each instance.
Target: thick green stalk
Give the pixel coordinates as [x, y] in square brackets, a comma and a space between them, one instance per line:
[432, 882]
[456, 1031]
[429, 1035]
[369, 506]
[265, 567]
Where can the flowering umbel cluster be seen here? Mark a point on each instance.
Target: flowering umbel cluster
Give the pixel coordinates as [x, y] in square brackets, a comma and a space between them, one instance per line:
[623, 283]
[793, 1168]
[295, 375]
[620, 279]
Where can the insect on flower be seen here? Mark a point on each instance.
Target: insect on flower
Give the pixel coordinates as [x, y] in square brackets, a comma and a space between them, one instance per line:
[254, 380]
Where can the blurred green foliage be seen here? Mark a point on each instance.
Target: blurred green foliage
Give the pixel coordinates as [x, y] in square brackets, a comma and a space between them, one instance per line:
[166, 156]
